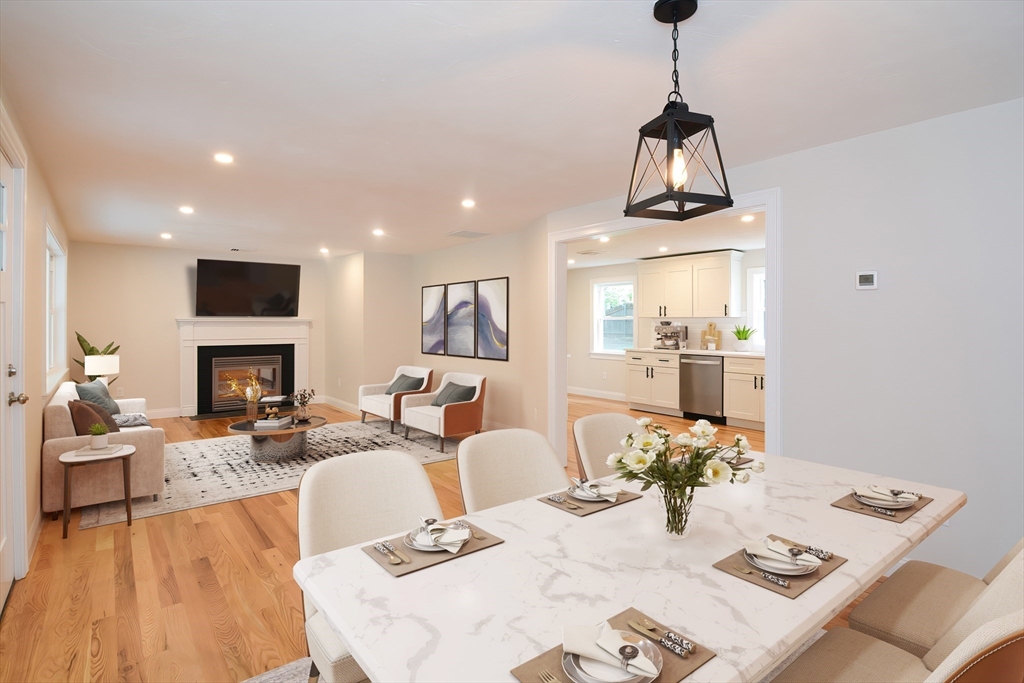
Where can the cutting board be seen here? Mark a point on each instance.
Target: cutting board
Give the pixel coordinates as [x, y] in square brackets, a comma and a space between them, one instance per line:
[712, 333]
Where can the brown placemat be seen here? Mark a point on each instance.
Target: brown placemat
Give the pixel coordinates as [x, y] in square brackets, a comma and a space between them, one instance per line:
[848, 502]
[797, 584]
[674, 668]
[422, 559]
[585, 508]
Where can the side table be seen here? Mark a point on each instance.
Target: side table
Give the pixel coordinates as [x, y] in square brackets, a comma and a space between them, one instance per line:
[73, 459]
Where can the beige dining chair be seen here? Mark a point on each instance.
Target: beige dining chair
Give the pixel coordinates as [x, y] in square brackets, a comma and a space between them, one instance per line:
[986, 644]
[505, 465]
[351, 499]
[597, 437]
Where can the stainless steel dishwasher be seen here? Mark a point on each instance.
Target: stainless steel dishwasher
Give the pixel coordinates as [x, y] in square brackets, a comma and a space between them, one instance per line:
[700, 385]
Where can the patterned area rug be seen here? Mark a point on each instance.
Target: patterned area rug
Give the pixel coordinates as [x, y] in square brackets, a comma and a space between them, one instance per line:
[208, 471]
[293, 672]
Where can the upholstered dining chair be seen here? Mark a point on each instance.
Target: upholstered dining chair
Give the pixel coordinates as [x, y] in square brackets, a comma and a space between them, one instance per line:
[505, 465]
[984, 645]
[597, 436]
[351, 499]
[385, 400]
[457, 407]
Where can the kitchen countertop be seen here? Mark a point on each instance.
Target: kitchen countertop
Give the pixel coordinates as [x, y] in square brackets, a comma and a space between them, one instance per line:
[700, 352]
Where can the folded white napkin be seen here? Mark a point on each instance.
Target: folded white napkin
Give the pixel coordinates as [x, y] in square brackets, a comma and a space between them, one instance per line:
[779, 552]
[884, 495]
[602, 490]
[602, 643]
[450, 539]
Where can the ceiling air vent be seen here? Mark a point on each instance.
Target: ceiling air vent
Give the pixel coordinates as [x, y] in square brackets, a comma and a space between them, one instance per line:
[589, 252]
[466, 234]
[237, 249]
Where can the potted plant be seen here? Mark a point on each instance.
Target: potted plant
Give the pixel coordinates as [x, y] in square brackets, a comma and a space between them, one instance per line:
[98, 436]
[302, 399]
[744, 337]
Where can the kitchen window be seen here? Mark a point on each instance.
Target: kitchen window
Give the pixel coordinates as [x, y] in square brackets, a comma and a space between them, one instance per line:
[756, 300]
[613, 325]
[56, 311]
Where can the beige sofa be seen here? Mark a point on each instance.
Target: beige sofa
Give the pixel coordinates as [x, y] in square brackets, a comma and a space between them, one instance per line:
[99, 483]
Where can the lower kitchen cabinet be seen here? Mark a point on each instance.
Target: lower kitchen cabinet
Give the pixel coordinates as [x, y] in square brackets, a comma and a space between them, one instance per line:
[743, 396]
[638, 384]
[653, 386]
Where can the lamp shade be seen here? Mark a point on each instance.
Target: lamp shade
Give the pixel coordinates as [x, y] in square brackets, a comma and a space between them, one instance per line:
[102, 365]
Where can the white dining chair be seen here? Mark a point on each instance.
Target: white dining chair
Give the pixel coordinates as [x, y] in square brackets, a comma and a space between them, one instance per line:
[505, 465]
[351, 499]
[598, 436]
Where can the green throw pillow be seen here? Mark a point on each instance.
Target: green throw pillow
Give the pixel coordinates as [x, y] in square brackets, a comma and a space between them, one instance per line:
[405, 383]
[454, 393]
[96, 392]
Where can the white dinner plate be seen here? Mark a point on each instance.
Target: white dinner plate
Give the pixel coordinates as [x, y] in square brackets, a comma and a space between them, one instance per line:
[778, 567]
[415, 543]
[586, 670]
[887, 505]
[582, 494]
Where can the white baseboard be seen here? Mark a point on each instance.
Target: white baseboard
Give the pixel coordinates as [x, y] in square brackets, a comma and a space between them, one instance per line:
[594, 393]
[163, 412]
[34, 530]
[341, 405]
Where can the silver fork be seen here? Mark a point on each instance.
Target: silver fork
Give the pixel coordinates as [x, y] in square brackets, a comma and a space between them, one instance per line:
[546, 677]
[460, 524]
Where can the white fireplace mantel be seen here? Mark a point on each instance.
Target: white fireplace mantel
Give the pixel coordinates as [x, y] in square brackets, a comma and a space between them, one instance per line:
[196, 332]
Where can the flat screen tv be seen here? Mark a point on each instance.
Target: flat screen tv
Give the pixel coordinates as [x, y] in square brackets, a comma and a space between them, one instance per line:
[242, 288]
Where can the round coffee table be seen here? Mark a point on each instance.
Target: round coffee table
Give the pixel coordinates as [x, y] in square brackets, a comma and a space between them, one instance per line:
[275, 445]
[87, 456]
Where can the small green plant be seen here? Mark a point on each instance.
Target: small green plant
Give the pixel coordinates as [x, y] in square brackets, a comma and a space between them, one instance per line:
[98, 429]
[743, 332]
[90, 350]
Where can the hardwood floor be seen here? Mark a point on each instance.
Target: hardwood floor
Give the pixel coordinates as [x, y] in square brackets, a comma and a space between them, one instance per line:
[196, 595]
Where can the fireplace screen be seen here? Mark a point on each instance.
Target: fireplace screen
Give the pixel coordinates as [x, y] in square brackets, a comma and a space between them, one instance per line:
[266, 368]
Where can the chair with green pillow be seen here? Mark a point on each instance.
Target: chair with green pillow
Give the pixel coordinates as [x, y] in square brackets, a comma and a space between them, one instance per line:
[385, 400]
[457, 407]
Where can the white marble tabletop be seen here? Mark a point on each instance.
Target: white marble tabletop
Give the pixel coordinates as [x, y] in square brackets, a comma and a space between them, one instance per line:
[477, 617]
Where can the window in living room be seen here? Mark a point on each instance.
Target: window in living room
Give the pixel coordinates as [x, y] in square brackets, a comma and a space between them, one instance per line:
[56, 310]
[613, 325]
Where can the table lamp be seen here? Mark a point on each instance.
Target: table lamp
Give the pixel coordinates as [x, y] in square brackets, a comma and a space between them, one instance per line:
[96, 366]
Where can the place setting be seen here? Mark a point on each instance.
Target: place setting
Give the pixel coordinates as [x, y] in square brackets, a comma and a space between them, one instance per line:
[627, 648]
[883, 502]
[429, 544]
[587, 497]
[780, 565]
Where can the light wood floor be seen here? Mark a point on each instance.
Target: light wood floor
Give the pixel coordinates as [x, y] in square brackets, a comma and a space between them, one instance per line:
[197, 595]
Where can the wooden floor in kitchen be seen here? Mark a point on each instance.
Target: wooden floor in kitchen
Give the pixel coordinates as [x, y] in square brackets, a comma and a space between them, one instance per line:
[196, 595]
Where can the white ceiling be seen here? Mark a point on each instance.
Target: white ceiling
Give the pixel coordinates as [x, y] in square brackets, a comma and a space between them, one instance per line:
[348, 116]
[723, 230]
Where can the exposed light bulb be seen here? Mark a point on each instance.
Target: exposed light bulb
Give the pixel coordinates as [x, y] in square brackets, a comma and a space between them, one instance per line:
[679, 174]
[186, 209]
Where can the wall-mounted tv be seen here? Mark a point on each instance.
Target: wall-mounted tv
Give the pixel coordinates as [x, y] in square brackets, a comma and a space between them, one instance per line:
[242, 288]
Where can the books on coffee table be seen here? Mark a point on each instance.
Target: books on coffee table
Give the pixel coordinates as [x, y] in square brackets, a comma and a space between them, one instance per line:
[273, 422]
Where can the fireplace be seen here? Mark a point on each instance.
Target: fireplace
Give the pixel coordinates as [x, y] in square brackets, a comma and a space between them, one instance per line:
[273, 364]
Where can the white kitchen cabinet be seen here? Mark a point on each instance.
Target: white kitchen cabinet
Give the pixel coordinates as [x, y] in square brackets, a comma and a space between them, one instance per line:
[652, 379]
[678, 290]
[639, 388]
[665, 387]
[651, 290]
[742, 398]
[717, 279]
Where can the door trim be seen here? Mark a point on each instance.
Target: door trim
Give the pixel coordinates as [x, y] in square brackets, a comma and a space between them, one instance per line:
[558, 411]
[11, 146]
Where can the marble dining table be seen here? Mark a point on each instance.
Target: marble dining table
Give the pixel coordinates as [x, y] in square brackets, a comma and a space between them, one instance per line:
[474, 618]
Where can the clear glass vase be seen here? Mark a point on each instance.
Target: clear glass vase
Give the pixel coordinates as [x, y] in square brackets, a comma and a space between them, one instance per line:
[252, 411]
[677, 506]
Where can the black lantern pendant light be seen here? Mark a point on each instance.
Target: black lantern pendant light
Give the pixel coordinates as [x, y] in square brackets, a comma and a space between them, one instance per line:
[678, 172]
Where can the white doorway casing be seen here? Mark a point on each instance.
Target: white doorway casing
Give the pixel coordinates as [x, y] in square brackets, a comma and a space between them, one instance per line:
[212, 331]
[770, 201]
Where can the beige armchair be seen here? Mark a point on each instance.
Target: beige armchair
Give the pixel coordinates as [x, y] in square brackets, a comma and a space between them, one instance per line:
[373, 400]
[447, 420]
[104, 482]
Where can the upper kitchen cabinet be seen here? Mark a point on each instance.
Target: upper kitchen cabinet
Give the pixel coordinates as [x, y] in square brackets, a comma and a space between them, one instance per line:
[697, 286]
[665, 288]
[717, 279]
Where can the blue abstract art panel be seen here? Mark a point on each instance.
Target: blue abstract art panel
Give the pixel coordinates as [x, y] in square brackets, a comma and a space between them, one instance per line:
[432, 320]
[462, 319]
[492, 319]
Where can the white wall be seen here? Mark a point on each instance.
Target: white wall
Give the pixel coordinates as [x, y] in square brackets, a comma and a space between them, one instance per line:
[885, 381]
[132, 295]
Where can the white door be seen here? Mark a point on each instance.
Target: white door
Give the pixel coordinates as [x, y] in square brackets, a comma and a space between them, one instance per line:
[742, 397]
[638, 384]
[711, 287]
[651, 294]
[679, 290]
[665, 388]
[6, 358]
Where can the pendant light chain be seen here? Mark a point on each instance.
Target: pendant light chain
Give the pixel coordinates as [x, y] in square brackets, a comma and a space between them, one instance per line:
[675, 95]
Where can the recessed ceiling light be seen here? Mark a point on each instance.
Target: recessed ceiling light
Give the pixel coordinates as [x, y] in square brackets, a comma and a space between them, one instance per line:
[186, 209]
[572, 261]
[378, 232]
[747, 218]
[166, 235]
[468, 203]
[325, 250]
[663, 249]
[605, 238]
[223, 157]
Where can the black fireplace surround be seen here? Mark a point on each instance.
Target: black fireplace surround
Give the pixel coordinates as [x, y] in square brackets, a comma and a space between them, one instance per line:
[204, 368]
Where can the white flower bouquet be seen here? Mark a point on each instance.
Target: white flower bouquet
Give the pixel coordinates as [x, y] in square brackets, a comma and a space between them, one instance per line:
[681, 464]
